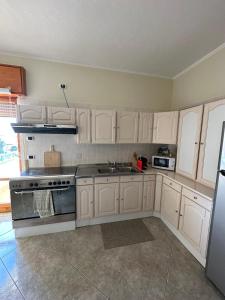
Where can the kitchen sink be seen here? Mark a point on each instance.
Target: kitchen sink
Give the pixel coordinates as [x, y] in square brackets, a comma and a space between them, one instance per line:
[114, 170]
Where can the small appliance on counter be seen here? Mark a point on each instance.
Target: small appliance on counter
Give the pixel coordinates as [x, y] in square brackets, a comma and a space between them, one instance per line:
[142, 163]
[164, 159]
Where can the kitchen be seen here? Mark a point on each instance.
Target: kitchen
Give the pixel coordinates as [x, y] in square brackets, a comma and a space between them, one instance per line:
[115, 190]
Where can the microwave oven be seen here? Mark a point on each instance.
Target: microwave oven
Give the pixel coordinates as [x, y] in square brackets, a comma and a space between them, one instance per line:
[163, 162]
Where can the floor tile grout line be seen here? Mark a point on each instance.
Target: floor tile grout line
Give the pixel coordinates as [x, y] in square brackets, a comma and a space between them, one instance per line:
[13, 281]
[90, 281]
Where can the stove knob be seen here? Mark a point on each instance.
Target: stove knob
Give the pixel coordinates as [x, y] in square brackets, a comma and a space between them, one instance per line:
[54, 183]
[36, 184]
[31, 184]
[59, 182]
[50, 183]
[68, 182]
[63, 182]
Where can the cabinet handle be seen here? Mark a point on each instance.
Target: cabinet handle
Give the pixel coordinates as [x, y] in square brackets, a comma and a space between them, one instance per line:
[171, 183]
[181, 215]
[196, 143]
[195, 197]
[201, 143]
[176, 211]
[122, 199]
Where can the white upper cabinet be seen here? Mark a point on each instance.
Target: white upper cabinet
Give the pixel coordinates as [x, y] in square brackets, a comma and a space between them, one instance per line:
[84, 126]
[165, 127]
[188, 141]
[145, 127]
[127, 127]
[214, 116]
[103, 126]
[31, 114]
[61, 115]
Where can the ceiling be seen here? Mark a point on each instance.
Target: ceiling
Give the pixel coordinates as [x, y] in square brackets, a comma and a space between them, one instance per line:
[156, 37]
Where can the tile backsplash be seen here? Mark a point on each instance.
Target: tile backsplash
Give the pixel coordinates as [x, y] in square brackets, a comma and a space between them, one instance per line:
[73, 153]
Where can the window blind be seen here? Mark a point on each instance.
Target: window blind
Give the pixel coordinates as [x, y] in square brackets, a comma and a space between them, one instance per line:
[8, 109]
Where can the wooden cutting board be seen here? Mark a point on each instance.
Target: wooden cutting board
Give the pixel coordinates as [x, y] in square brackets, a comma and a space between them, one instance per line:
[52, 158]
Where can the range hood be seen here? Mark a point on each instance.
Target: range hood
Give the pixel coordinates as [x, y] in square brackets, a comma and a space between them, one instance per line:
[44, 128]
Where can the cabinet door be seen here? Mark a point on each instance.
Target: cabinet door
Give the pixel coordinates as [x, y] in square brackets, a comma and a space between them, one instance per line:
[193, 223]
[61, 115]
[31, 114]
[84, 126]
[13, 77]
[158, 193]
[106, 199]
[131, 197]
[165, 127]
[170, 205]
[103, 126]
[188, 141]
[127, 127]
[213, 118]
[148, 195]
[145, 127]
[85, 202]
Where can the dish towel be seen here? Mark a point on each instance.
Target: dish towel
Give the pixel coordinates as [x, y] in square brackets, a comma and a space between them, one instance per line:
[43, 204]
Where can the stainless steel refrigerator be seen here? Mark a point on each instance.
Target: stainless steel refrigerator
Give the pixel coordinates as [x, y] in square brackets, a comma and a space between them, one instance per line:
[215, 266]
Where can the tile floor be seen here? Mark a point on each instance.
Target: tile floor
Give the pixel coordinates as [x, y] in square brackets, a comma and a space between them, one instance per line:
[74, 265]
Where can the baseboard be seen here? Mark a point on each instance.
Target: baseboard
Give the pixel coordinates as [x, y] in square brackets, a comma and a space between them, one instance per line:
[44, 229]
[116, 218]
[186, 244]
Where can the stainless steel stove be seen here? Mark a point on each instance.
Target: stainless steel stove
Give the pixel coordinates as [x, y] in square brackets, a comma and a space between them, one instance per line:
[59, 181]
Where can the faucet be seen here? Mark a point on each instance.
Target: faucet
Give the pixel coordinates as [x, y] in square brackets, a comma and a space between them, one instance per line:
[113, 163]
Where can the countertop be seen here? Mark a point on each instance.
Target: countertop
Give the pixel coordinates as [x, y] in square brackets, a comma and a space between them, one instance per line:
[84, 171]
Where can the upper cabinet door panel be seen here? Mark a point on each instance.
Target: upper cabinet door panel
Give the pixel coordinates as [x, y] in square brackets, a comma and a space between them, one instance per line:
[31, 114]
[84, 126]
[127, 127]
[61, 115]
[103, 126]
[145, 127]
[165, 127]
[188, 141]
[214, 116]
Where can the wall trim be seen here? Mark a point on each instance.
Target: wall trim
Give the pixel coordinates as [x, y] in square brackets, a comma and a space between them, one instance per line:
[129, 72]
[213, 52]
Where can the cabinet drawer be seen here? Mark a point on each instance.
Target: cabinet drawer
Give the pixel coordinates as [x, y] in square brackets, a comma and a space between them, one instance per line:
[172, 183]
[149, 177]
[197, 198]
[84, 181]
[109, 179]
[129, 178]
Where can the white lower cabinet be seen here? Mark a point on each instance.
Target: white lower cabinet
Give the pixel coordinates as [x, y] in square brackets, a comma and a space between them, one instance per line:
[158, 193]
[170, 205]
[106, 199]
[148, 195]
[194, 224]
[85, 202]
[130, 197]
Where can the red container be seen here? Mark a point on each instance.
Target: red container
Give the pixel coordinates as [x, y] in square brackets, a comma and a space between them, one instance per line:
[139, 164]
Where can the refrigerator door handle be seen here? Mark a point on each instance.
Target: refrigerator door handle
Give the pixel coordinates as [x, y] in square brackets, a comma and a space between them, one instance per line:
[222, 172]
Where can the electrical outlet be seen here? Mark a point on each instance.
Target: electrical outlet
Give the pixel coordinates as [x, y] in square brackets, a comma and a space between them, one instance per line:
[30, 157]
[62, 86]
[30, 138]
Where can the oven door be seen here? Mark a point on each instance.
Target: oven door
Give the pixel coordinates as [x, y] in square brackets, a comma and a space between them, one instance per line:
[23, 206]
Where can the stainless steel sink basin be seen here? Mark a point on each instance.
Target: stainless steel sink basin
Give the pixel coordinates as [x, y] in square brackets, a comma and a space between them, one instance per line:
[114, 170]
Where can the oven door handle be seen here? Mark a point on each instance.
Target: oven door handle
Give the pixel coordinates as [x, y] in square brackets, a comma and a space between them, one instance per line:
[32, 191]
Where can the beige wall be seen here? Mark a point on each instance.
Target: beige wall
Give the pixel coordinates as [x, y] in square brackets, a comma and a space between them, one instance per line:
[202, 83]
[92, 86]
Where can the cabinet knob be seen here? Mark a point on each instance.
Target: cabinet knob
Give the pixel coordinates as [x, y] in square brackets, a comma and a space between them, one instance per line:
[195, 197]
[196, 143]
[181, 215]
[176, 211]
[201, 143]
